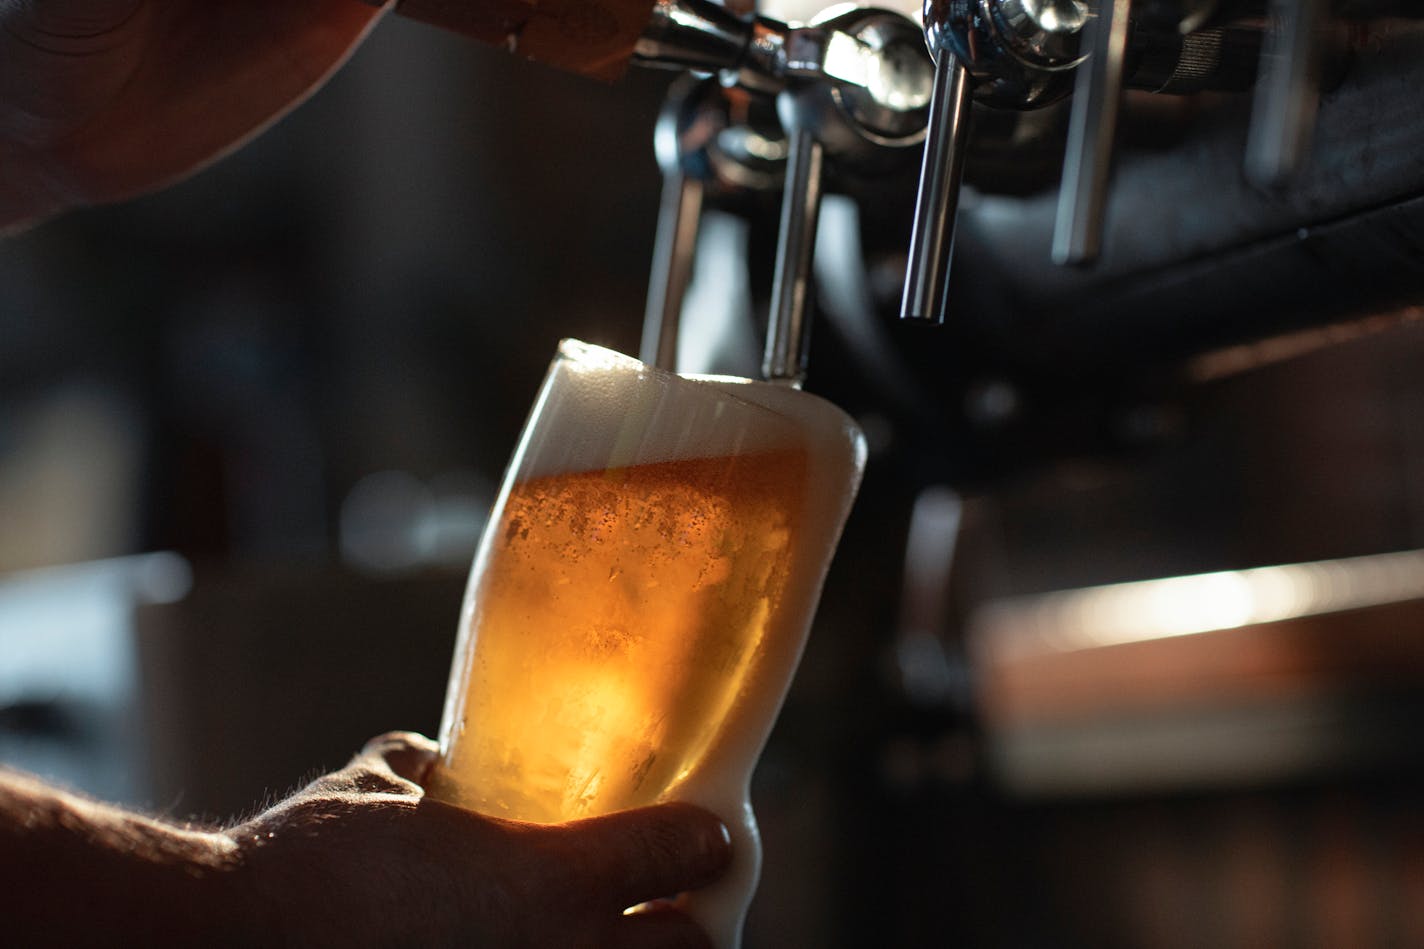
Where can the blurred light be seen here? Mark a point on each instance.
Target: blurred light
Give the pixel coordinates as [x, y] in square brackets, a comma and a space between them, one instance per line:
[927, 675]
[392, 521]
[67, 646]
[716, 332]
[1180, 606]
[1233, 360]
[161, 578]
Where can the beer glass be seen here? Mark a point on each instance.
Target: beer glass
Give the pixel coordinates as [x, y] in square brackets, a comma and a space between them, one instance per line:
[640, 599]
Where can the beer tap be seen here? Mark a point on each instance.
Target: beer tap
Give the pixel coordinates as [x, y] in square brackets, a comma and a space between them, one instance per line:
[855, 85]
[788, 329]
[1302, 52]
[679, 214]
[852, 87]
[1007, 53]
[1097, 95]
[1287, 92]
[1082, 196]
[1022, 54]
[937, 200]
[711, 144]
[859, 86]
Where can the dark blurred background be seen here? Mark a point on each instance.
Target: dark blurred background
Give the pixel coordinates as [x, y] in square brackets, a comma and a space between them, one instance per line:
[297, 377]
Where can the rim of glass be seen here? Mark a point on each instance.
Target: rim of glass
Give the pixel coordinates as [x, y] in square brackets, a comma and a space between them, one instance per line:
[595, 356]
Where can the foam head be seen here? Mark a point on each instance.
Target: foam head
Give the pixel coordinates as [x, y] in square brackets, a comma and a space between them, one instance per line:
[601, 409]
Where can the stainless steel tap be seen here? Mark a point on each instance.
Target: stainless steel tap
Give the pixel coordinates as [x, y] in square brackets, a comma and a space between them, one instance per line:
[849, 89]
[709, 149]
[845, 96]
[1010, 53]
[860, 88]
[1023, 54]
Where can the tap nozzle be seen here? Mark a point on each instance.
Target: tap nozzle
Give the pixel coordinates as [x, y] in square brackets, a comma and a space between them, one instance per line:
[937, 200]
[1092, 126]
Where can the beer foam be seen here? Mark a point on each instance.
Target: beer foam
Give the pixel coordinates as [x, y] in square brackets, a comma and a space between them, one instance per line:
[614, 411]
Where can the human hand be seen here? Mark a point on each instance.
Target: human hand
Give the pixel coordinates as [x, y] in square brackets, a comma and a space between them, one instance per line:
[361, 858]
[104, 99]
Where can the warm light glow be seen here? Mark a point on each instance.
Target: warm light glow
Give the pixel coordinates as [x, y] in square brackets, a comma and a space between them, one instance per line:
[616, 623]
[1180, 606]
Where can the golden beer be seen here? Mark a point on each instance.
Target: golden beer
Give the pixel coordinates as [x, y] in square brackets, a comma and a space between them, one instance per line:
[640, 600]
[614, 625]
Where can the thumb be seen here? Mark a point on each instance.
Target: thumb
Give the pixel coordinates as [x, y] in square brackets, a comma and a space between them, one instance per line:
[634, 856]
[407, 755]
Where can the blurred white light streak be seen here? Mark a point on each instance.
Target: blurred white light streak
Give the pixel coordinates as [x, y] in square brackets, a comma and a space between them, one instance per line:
[67, 642]
[1181, 606]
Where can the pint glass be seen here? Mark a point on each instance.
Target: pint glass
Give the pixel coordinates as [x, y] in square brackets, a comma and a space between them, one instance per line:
[640, 599]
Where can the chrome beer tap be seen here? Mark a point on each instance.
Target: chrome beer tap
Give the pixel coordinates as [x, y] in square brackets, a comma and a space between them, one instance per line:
[1287, 91]
[1022, 54]
[710, 148]
[1097, 95]
[728, 50]
[859, 87]
[850, 89]
[1078, 225]
[1008, 53]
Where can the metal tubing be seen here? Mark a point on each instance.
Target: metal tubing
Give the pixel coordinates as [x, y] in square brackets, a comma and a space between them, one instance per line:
[678, 220]
[932, 237]
[788, 328]
[1082, 196]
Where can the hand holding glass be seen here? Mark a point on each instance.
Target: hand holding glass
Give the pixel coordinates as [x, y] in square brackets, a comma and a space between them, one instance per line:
[641, 598]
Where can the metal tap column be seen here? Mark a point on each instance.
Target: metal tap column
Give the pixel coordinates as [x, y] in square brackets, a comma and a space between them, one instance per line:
[937, 202]
[788, 326]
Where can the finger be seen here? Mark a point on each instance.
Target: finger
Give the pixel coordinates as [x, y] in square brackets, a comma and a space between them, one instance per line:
[406, 755]
[393, 763]
[658, 929]
[634, 856]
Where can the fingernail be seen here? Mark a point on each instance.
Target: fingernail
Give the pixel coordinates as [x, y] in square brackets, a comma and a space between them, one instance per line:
[718, 845]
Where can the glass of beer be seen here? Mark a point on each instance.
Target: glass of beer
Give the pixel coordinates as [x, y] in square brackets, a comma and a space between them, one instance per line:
[640, 599]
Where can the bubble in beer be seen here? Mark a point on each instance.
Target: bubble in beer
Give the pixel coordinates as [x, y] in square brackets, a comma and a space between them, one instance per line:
[613, 626]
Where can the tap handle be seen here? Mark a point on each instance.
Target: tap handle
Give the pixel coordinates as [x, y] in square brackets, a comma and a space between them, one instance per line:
[1082, 196]
[937, 202]
[788, 329]
[1287, 92]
